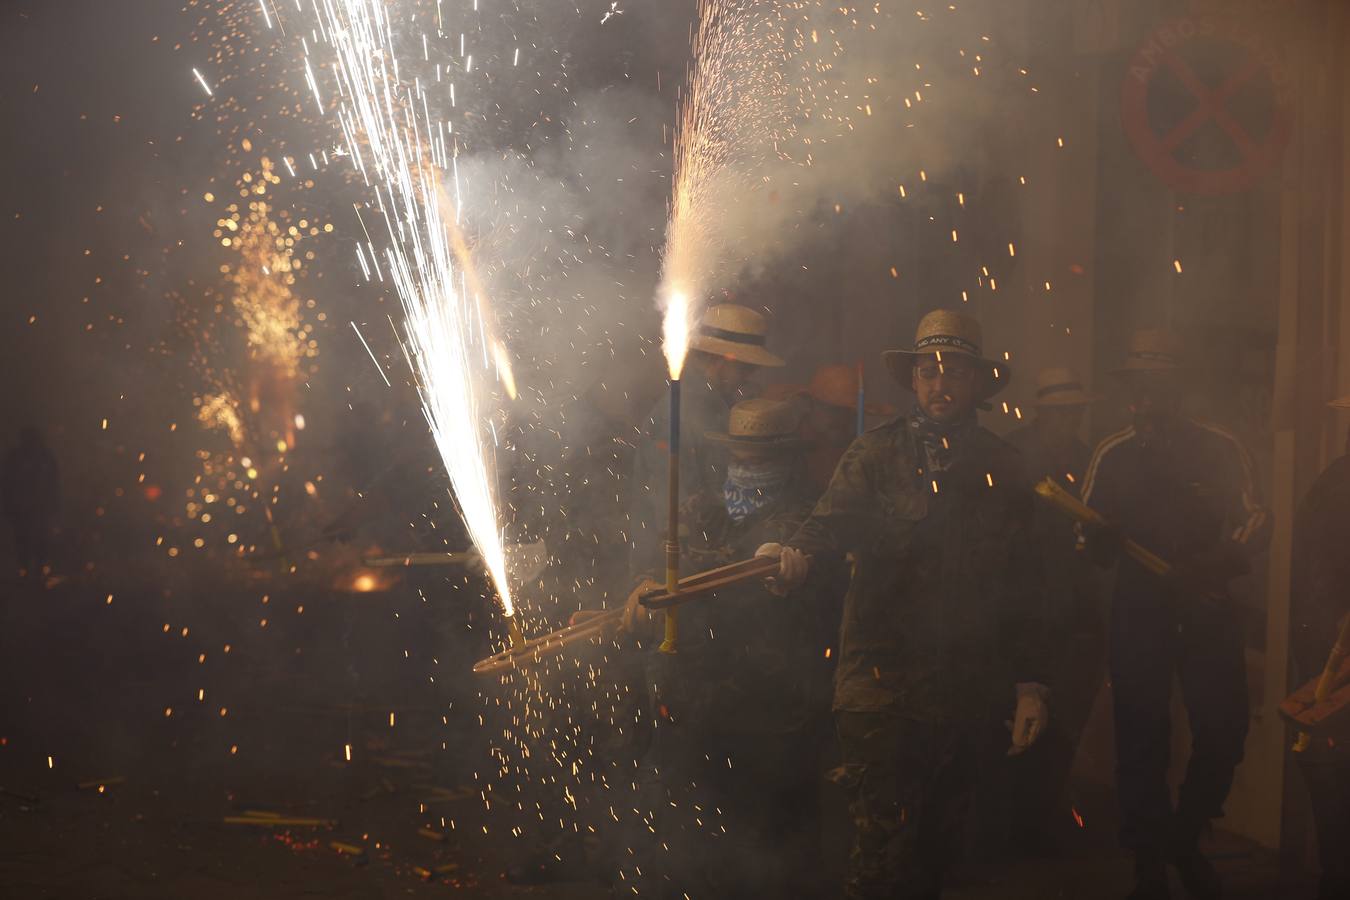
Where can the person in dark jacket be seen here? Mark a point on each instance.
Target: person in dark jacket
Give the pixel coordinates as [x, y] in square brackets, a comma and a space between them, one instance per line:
[1320, 601]
[942, 634]
[1033, 787]
[735, 753]
[31, 496]
[1186, 491]
[726, 351]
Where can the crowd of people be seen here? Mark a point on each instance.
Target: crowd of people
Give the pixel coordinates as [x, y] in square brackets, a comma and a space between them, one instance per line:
[932, 630]
[955, 631]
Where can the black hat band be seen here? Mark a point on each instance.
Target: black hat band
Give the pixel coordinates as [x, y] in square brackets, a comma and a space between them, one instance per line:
[1153, 356]
[759, 438]
[736, 337]
[946, 340]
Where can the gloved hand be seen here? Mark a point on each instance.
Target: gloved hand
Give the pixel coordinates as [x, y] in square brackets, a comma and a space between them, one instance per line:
[1102, 543]
[793, 567]
[1030, 717]
[634, 613]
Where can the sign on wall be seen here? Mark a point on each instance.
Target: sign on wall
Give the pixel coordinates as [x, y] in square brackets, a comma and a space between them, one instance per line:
[1213, 74]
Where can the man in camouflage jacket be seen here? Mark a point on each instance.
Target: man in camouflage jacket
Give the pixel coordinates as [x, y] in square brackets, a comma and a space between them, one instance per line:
[942, 633]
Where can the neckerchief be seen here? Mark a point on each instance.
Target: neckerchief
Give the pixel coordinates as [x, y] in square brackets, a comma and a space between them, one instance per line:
[941, 441]
[752, 486]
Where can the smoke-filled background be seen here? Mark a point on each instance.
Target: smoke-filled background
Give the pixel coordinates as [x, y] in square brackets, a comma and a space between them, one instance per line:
[194, 321]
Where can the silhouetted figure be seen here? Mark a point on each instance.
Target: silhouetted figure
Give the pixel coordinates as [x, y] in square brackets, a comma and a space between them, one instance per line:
[32, 498]
[1184, 490]
[1036, 783]
[1319, 602]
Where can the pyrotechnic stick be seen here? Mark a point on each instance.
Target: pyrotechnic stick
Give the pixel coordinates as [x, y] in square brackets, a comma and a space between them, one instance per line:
[347, 849]
[1082, 513]
[1326, 682]
[862, 402]
[672, 635]
[550, 644]
[704, 583]
[446, 558]
[689, 587]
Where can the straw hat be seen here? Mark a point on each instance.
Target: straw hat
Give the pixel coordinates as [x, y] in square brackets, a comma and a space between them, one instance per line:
[735, 332]
[761, 423]
[946, 332]
[837, 385]
[1152, 351]
[1061, 386]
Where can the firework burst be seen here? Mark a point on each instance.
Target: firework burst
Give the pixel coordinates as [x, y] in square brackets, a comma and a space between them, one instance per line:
[407, 156]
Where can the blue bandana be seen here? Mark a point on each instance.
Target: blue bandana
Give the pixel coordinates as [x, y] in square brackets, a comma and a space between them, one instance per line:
[752, 486]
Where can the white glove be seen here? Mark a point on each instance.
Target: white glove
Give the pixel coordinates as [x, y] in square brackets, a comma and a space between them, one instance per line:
[1030, 717]
[793, 567]
[634, 613]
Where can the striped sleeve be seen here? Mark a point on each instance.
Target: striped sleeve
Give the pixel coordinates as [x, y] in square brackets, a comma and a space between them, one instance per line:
[1253, 526]
[1092, 477]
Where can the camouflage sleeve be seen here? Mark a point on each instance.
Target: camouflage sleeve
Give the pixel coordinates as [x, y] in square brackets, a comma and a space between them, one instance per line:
[837, 522]
[1025, 618]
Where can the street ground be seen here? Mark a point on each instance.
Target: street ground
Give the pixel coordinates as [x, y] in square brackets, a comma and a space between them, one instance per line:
[134, 801]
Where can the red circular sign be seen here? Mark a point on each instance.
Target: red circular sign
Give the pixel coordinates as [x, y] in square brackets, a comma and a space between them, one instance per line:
[1248, 61]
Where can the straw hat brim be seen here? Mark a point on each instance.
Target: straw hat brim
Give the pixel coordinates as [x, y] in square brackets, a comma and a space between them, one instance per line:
[780, 442]
[900, 363]
[753, 354]
[1145, 367]
[1068, 398]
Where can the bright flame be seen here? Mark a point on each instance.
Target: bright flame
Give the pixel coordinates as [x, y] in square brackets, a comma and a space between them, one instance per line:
[732, 113]
[675, 332]
[398, 147]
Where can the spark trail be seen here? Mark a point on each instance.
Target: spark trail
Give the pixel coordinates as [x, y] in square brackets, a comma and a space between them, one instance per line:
[734, 108]
[404, 154]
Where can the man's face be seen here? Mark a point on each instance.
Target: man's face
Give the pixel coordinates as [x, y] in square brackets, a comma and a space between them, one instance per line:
[727, 375]
[752, 456]
[945, 387]
[1154, 399]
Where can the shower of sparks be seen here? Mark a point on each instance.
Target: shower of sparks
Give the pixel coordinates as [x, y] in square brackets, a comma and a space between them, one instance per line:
[734, 105]
[202, 81]
[400, 151]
